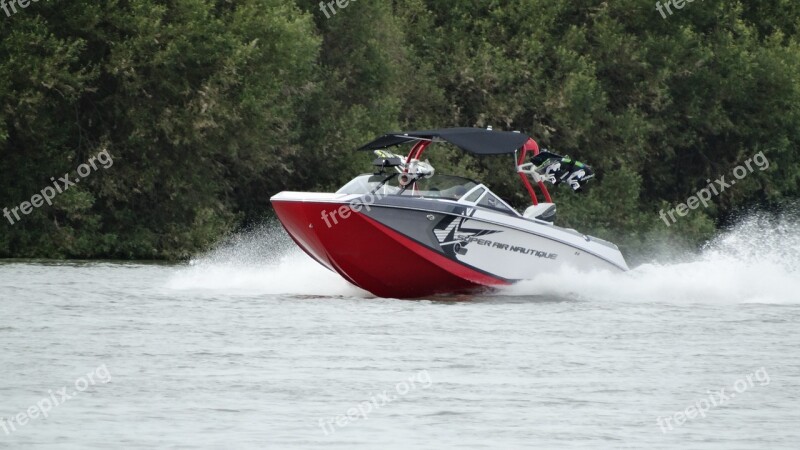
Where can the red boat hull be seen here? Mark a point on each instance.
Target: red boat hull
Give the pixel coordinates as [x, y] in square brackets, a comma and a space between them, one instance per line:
[374, 256]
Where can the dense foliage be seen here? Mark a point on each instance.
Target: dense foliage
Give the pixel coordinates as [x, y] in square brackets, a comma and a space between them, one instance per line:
[210, 107]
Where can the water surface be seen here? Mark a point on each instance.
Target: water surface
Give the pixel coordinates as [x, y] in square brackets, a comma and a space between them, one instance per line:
[255, 346]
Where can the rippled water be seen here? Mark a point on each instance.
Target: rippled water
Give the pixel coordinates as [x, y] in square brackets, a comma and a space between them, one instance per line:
[255, 346]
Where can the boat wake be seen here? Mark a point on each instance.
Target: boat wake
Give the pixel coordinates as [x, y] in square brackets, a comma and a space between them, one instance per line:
[756, 261]
[262, 261]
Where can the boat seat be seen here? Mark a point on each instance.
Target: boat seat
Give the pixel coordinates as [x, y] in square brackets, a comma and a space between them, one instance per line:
[542, 211]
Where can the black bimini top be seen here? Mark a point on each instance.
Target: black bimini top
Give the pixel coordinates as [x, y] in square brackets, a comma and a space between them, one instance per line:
[473, 140]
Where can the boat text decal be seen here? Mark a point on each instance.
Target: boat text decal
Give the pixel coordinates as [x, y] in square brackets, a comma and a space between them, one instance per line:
[454, 237]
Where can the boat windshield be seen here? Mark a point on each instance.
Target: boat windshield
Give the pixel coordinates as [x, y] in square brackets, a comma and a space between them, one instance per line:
[438, 186]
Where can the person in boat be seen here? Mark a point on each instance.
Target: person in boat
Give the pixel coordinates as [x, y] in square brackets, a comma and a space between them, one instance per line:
[562, 169]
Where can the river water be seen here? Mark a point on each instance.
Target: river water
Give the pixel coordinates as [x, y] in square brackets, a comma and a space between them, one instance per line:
[255, 346]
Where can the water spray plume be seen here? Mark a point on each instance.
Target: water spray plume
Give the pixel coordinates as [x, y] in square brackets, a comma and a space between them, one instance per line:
[755, 261]
[262, 261]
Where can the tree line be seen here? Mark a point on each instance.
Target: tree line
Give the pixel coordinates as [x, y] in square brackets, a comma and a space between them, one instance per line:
[209, 107]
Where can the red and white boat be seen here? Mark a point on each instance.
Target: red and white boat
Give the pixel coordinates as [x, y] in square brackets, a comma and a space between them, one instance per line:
[407, 232]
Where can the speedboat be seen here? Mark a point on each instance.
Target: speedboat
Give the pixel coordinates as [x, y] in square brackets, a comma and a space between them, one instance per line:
[405, 231]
